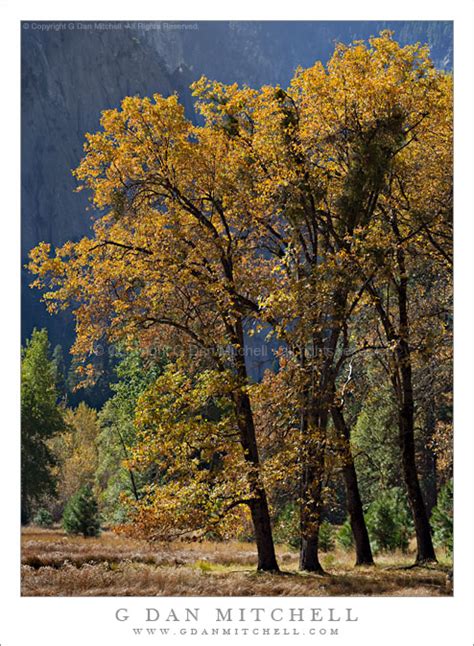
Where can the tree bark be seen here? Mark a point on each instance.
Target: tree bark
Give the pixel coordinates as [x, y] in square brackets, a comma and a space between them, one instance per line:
[354, 502]
[263, 533]
[315, 410]
[309, 559]
[259, 504]
[311, 509]
[425, 550]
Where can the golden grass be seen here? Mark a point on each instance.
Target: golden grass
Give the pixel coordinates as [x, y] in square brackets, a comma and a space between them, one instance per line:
[54, 564]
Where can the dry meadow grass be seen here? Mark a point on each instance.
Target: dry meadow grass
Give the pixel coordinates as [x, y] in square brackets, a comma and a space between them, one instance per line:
[54, 564]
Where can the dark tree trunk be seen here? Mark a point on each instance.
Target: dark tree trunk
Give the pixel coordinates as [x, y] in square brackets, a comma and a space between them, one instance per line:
[354, 502]
[315, 410]
[313, 434]
[425, 550]
[309, 559]
[406, 418]
[263, 533]
[259, 504]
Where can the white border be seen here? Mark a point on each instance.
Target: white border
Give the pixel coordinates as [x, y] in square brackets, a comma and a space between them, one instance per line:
[56, 621]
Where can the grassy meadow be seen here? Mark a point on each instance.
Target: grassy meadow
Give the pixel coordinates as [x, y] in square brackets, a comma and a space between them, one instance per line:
[55, 564]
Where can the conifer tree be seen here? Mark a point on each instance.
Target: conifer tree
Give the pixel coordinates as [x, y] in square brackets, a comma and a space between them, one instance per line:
[41, 419]
[81, 515]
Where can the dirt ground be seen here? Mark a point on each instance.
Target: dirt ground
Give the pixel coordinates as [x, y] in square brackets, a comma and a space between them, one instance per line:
[55, 564]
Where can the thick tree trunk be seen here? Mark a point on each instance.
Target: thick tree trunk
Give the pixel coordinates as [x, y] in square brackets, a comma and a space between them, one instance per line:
[310, 522]
[425, 550]
[354, 502]
[259, 504]
[406, 418]
[313, 435]
[315, 410]
[263, 533]
[309, 559]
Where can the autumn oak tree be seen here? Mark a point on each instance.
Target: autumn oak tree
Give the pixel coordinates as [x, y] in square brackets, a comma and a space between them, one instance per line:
[168, 261]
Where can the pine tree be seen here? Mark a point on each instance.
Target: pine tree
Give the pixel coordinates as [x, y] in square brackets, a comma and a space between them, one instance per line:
[41, 418]
[81, 515]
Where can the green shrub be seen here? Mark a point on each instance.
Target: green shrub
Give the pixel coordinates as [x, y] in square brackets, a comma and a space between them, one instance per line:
[327, 540]
[43, 518]
[345, 537]
[81, 514]
[388, 522]
[287, 530]
[442, 518]
[287, 526]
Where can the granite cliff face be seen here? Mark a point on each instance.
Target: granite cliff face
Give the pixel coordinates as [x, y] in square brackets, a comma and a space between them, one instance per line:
[68, 77]
[70, 74]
